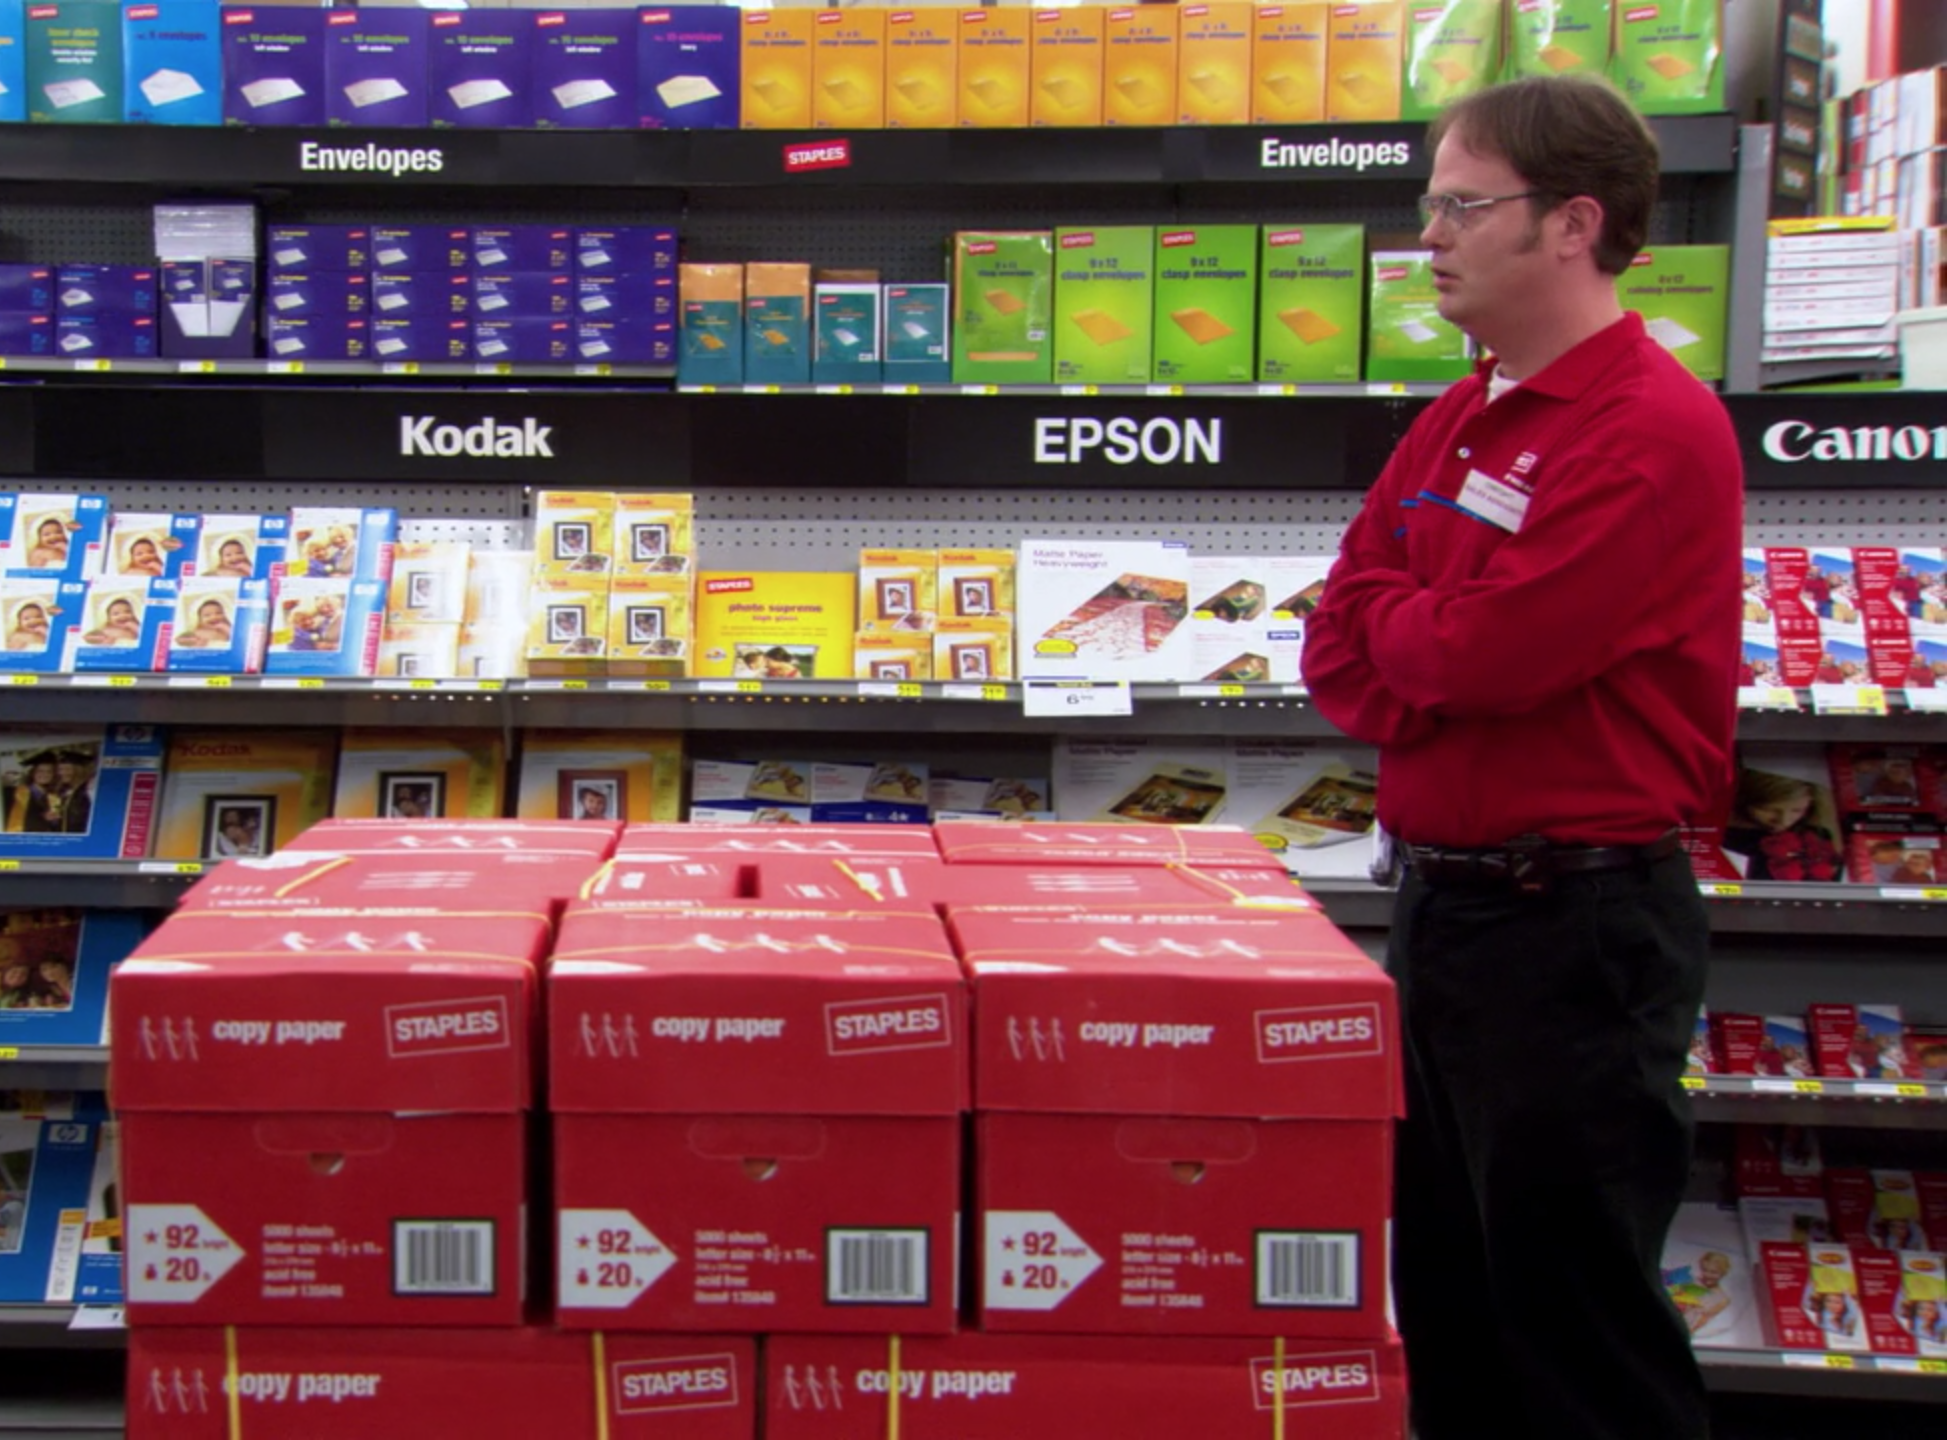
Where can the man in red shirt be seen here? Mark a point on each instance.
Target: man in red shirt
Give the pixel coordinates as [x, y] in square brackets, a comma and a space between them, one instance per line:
[1535, 617]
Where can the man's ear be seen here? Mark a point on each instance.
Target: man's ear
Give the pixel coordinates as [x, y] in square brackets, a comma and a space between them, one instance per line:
[1580, 221]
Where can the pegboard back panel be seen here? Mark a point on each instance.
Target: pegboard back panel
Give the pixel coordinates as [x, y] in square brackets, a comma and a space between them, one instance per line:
[1844, 517]
[460, 502]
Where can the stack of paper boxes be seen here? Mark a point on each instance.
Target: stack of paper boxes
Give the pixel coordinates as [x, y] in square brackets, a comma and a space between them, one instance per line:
[935, 615]
[612, 584]
[26, 310]
[1832, 290]
[105, 312]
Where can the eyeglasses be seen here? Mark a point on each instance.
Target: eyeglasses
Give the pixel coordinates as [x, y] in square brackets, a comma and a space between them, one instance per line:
[1457, 212]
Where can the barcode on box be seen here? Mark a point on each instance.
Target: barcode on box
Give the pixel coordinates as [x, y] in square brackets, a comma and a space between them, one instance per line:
[442, 1257]
[875, 1267]
[1308, 1270]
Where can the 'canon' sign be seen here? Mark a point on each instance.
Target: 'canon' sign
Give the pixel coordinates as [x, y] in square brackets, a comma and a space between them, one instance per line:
[1791, 441]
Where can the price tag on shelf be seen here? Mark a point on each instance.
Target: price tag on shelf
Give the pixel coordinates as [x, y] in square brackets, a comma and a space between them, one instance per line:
[1766, 697]
[196, 367]
[1048, 698]
[490, 686]
[726, 687]
[763, 389]
[1081, 389]
[1933, 1367]
[284, 367]
[90, 682]
[169, 867]
[980, 389]
[94, 367]
[1919, 699]
[557, 684]
[639, 687]
[9, 864]
[1694, 1082]
[597, 371]
[1911, 893]
[311, 682]
[973, 692]
[890, 690]
[23, 679]
[831, 389]
[1387, 388]
[1848, 700]
[198, 682]
[399, 367]
[1163, 392]
[500, 367]
[1721, 890]
[899, 389]
[1772, 1085]
[98, 1317]
[9, 1052]
[1816, 1360]
[1209, 692]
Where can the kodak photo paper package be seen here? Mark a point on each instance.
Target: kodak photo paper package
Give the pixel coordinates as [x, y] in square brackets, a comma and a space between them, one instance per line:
[1363, 60]
[1311, 303]
[81, 793]
[1002, 284]
[242, 792]
[973, 651]
[1669, 56]
[650, 625]
[655, 537]
[1104, 304]
[1140, 780]
[976, 584]
[1206, 305]
[848, 70]
[51, 537]
[880, 656]
[120, 627]
[35, 616]
[1558, 37]
[1683, 294]
[429, 580]
[493, 650]
[753, 625]
[1213, 63]
[1288, 63]
[922, 69]
[1067, 67]
[567, 625]
[1311, 804]
[600, 775]
[1103, 609]
[777, 69]
[995, 71]
[420, 652]
[74, 63]
[496, 585]
[221, 626]
[898, 591]
[1139, 64]
[1452, 48]
[411, 775]
[1409, 338]
[777, 319]
[573, 534]
[711, 343]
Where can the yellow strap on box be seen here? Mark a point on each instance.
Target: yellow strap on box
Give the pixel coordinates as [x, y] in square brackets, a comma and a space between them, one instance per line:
[336, 864]
[598, 1350]
[893, 1386]
[235, 1385]
[1277, 1389]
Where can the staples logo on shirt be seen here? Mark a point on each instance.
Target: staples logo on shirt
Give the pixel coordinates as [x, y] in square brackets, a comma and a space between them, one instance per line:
[1317, 1379]
[446, 1027]
[907, 1022]
[1319, 1032]
[689, 1382]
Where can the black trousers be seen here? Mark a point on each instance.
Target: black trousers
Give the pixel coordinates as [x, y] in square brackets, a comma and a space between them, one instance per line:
[1545, 1150]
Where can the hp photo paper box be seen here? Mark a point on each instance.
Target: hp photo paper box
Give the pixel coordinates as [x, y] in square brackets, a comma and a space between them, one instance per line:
[120, 628]
[74, 63]
[220, 626]
[1102, 610]
[233, 547]
[308, 249]
[80, 793]
[375, 68]
[325, 627]
[332, 543]
[232, 793]
[687, 67]
[1104, 304]
[54, 982]
[51, 537]
[147, 545]
[1311, 304]
[273, 68]
[173, 50]
[478, 70]
[584, 69]
[34, 616]
[47, 1165]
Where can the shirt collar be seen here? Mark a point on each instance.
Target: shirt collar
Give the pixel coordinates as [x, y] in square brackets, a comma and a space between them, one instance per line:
[1571, 373]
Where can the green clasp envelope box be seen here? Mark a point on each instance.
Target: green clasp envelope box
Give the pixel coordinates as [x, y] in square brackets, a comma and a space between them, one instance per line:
[1003, 297]
[1206, 305]
[1312, 301]
[1105, 284]
[1410, 340]
[1683, 294]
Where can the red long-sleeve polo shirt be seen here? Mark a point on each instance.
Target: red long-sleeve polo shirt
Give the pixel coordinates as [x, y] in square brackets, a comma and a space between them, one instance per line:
[1575, 677]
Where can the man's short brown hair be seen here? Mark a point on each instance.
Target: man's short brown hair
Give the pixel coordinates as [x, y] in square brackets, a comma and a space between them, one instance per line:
[1567, 136]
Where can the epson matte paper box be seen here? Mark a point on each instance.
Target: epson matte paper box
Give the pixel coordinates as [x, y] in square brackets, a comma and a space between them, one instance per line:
[375, 68]
[327, 1125]
[361, 1384]
[74, 63]
[273, 65]
[1311, 304]
[687, 67]
[1102, 610]
[1206, 304]
[1197, 1105]
[478, 69]
[735, 1203]
[173, 50]
[1104, 304]
[584, 69]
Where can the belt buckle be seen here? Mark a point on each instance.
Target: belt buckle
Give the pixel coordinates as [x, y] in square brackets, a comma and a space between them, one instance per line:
[1528, 864]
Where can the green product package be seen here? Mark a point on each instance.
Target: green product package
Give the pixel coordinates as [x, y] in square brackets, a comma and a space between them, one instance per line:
[1683, 294]
[1206, 305]
[1409, 338]
[1105, 302]
[1311, 303]
[777, 345]
[1003, 283]
[1669, 56]
[74, 63]
[1453, 48]
[1558, 37]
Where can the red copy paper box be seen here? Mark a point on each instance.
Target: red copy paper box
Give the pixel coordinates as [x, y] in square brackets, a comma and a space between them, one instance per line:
[836, 840]
[757, 1119]
[376, 1384]
[513, 884]
[977, 842]
[366, 836]
[812, 880]
[323, 1119]
[659, 880]
[1184, 1122]
[1009, 1387]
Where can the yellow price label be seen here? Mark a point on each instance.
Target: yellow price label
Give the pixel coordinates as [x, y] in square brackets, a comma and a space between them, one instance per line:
[9, 1052]
[9, 864]
[310, 682]
[424, 685]
[1909, 1091]
[285, 367]
[24, 679]
[750, 687]
[1838, 1362]
[217, 682]
[3, 362]
[502, 368]
[1693, 1082]
[993, 692]
[1230, 692]
[659, 687]
[95, 367]
[1872, 699]
[492, 684]
[1724, 892]
[400, 367]
[574, 684]
[1933, 1367]
[1809, 1087]
[189, 867]
[910, 690]
[706, 389]
[197, 367]
[121, 682]
[1933, 892]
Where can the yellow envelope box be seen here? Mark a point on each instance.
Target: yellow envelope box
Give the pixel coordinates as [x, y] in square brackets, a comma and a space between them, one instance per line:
[1139, 64]
[410, 775]
[1213, 63]
[777, 69]
[775, 625]
[995, 72]
[1288, 64]
[922, 69]
[633, 775]
[1067, 67]
[973, 650]
[848, 70]
[1363, 56]
[892, 657]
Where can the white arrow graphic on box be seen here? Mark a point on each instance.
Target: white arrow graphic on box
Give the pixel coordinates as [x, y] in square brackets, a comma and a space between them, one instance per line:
[1034, 1261]
[175, 1253]
[608, 1258]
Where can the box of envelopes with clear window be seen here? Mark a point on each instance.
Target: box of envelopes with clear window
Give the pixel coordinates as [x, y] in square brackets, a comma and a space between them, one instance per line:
[74, 62]
[273, 65]
[584, 69]
[174, 56]
[375, 68]
[478, 69]
[687, 70]
[1311, 303]
[1682, 292]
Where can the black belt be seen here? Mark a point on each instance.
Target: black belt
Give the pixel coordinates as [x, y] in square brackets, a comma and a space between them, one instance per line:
[1529, 862]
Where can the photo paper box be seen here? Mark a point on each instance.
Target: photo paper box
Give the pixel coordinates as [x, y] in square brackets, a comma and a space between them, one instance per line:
[13, 63]
[1883, 1209]
[1711, 1280]
[1139, 780]
[381, 1179]
[54, 985]
[51, 537]
[739, 792]
[47, 1165]
[1206, 304]
[325, 627]
[573, 534]
[35, 616]
[889, 792]
[687, 71]
[973, 650]
[428, 338]
[593, 775]
[1702, 1059]
[654, 537]
[173, 52]
[1311, 304]
[341, 543]
[1904, 1299]
[1558, 37]
[998, 1387]
[409, 249]
[25, 334]
[567, 625]
[996, 71]
[777, 69]
[1895, 859]
[892, 657]
[1669, 57]
[1247, 654]
[493, 650]
[410, 775]
[74, 66]
[651, 625]
[273, 67]
[999, 796]
[1105, 304]
[478, 70]
[419, 652]
[1785, 1049]
[235, 792]
[376, 68]
[79, 793]
[1737, 1039]
[354, 1384]
[845, 320]
[1139, 65]
[626, 342]
[1884, 785]
[1783, 1220]
[1002, 289]
[221, 626]
[584, 69]
[777, 314]
[232, 547]
[120, 626]
[1297, 584]
[775, 625]
[1227, 591]
[429, 582]
[1452, 49]
[146, 545]
[712, 334]
[976, 584]
[332, 294]
[1213, 63]
[27, 289]
[105, 337]
[1408, 337]
[1288, 63]
[1683, 294]
[524, 340]
[312, 249]
[420, 294]
[1312, 804]
[918, 340]
[898, 590]
[1066, 67]
[848, 70]
[1364, 54]
[854, 1227]
[922, 69]
[629, 295]
[1103, 610]
[1814, 1294]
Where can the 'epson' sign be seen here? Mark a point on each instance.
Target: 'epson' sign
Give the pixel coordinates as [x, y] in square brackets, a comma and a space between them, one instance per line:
[1126, 440]
[486, 439]
[1792, 441]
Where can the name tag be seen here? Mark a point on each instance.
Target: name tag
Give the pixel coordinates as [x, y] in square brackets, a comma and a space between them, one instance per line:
[1495, 501]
